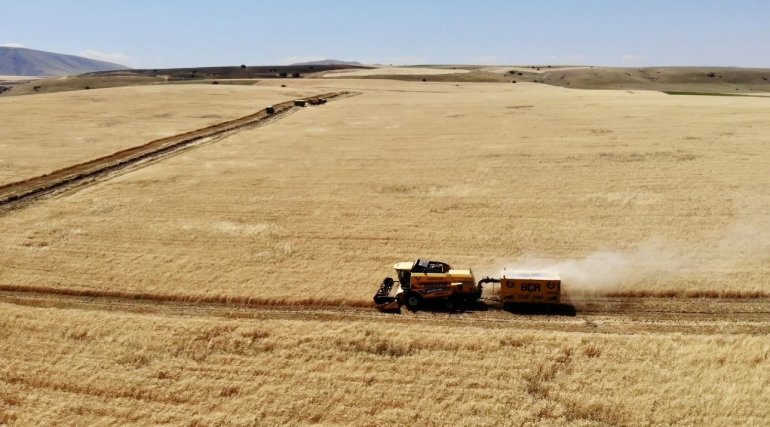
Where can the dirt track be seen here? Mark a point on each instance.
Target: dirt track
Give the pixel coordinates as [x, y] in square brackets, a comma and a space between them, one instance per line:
[596, 314]
[82, 173]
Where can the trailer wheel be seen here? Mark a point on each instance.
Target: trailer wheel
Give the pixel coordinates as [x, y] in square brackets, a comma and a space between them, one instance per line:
[453, 303]
[413, 301]
[470, 302]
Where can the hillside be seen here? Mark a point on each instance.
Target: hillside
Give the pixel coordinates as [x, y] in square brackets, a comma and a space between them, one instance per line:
[16, 61]
[231, 72]
[696, 79]
[132, 77]
[664, 79]
[329, 62]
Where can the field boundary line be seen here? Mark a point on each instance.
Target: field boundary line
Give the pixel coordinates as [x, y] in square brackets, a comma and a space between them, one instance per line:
[711, 294]
[257, 302]
[222, 300]
[608, 316]
[25, 191]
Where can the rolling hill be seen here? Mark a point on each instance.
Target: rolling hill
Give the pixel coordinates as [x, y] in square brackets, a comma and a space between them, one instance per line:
[665, 79]
[15, 61]
[330, 62]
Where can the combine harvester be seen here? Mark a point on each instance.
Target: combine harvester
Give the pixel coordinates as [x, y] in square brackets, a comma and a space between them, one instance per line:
[426, 283]
[423, 282]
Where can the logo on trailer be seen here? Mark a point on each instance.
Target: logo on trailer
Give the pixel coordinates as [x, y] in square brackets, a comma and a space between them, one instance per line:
[551, 286]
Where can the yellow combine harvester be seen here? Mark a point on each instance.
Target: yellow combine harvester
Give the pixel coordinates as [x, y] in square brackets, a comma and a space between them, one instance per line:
[423, 282]
[426, 282]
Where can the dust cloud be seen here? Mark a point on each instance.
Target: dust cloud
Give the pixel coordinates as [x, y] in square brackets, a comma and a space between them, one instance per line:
[655, 263]
[604, 271]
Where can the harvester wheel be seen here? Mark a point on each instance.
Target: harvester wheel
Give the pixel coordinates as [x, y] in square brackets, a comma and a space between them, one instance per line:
[413, 301]
[452, 303]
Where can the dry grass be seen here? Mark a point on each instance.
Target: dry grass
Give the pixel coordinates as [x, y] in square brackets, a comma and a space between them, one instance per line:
[81, 367]
[320, 204]
[46, 132]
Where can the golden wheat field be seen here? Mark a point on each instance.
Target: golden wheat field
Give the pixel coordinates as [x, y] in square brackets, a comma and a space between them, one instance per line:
[231, 283]
[43, 133]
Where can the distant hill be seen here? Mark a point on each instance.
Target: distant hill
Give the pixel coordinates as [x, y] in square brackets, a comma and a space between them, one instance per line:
[664, 79]
[231, 72]
[694, 79]
[329, 62]
[16, 61]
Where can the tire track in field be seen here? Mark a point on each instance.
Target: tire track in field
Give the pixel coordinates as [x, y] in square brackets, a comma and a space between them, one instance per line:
[149, 297]
[630, 315]
[18, 193]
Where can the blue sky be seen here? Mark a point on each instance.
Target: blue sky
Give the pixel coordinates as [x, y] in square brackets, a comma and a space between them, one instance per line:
[171, 33]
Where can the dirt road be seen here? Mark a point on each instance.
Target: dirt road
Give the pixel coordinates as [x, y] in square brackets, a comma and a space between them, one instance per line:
[82, 173]
[595, 314]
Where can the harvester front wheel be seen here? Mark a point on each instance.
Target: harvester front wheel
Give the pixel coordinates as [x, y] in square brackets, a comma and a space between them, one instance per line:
[413, 301]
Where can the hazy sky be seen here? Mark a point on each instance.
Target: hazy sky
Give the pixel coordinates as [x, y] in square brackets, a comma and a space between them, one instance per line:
[171, 33]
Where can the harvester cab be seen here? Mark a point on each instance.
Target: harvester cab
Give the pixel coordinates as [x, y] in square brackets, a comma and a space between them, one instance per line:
[423, 282]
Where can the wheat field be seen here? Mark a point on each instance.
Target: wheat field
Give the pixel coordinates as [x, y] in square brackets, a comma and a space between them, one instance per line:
[43, 133]
[664, 192]
[231, 284]
[79, 366]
